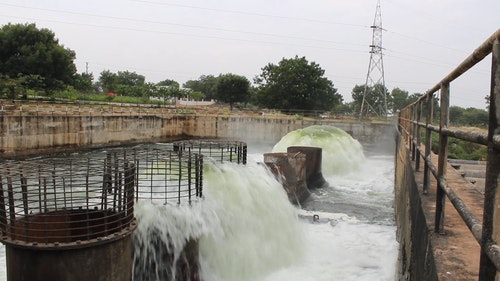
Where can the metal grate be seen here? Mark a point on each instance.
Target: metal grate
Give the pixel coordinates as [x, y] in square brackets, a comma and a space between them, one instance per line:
[165, 176]
[218, 150]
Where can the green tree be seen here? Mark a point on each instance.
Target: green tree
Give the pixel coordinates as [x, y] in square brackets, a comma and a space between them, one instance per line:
[26, 50]
[130, 78]
[296, 84]
[357, 97]
[195, 95]
[233, 88]
[455, 114]
[476, 117]
[413, 98]
[374, 100]
[84, 82]
[468, 117]
[167, 89]
[398, 100]
[206, 84]
[107, 81]
[168, 83]
[11, 88]
[125, 83]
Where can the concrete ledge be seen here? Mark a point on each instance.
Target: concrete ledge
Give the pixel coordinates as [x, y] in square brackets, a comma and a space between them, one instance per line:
[34, 134]
[416, 258]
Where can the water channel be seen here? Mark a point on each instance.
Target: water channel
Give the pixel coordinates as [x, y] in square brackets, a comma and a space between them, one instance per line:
[249, 231]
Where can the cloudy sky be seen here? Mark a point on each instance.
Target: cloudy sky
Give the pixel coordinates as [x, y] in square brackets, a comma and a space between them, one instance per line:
[181, 40]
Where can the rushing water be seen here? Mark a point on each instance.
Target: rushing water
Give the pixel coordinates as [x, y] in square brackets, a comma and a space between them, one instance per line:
[248, 230]
[354, 238]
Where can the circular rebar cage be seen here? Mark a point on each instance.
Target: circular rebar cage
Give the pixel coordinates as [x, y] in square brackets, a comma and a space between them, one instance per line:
[218, 150]
[77, 201]
[166, 176]
[66, 202]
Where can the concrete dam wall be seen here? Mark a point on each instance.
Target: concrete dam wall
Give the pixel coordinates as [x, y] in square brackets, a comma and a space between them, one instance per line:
[22, 135]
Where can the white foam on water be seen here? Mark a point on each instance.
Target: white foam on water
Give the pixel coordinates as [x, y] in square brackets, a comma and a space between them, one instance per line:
[353, 235]
[259, 230]
[163, 228]
[344, 251]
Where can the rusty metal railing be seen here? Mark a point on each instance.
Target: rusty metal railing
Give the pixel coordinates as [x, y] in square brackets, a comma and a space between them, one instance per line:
[487, 230]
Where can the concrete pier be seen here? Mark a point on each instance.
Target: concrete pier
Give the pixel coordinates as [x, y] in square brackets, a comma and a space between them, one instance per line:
[290, 169]
[314, 176]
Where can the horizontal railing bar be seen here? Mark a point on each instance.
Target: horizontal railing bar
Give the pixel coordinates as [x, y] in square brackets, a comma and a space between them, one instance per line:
[470, 136]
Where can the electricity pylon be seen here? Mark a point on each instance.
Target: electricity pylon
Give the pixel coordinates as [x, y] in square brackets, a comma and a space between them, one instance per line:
[374, 93]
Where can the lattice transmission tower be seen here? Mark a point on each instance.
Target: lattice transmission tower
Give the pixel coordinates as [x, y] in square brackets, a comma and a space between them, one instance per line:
[374, 93]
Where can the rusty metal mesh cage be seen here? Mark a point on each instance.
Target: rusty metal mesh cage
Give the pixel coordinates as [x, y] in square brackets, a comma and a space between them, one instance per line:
[218, 150]
[60, 202]
[77, 201]
[167, 176]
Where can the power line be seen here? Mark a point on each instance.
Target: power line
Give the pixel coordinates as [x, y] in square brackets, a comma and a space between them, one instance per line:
[196, 35]
[426, 41]
[249, 13]
[428, 16]
[107, 17]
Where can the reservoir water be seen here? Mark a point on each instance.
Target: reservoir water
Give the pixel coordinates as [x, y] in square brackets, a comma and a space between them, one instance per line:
[248, 230]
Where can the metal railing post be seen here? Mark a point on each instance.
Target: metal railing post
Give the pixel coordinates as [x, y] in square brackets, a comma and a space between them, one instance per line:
[442, 157]
[491, 220]
[428, 144]
[414, 113]
[418, 140]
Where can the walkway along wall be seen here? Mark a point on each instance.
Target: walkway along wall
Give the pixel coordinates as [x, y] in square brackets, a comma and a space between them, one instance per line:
[22, 135]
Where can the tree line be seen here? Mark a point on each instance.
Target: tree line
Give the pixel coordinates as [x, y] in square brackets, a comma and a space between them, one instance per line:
[34, 64]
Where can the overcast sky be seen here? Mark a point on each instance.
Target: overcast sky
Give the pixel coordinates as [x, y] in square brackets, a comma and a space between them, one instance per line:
[181, 40]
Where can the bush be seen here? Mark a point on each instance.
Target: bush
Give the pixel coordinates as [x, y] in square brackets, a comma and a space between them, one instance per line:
[459, 149]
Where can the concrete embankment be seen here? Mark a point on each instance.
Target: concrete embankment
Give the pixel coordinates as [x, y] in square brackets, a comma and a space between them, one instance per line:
[23, 135]
[416, 259]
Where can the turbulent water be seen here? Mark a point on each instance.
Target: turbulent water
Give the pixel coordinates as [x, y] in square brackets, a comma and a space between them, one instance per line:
[343, 232]
[353, 234]
[257, 230]
[248, 230]
[341, 153]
